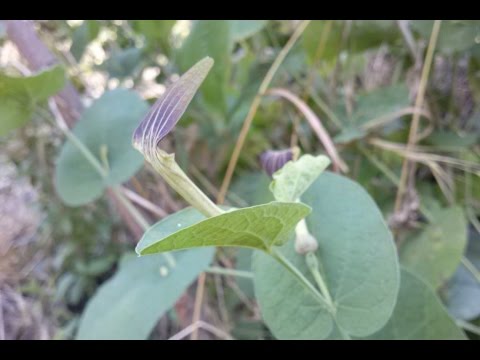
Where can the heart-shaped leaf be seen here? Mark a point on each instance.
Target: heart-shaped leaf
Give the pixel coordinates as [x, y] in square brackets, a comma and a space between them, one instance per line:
[259, 227]
[106, 130]
[418, 315]
[130, 304]
[358, 262]
[435, 253]
[20, 95]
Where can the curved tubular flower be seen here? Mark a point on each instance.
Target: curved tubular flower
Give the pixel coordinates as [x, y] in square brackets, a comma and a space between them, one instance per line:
[160, 120]
[169, 108]
[273, 160]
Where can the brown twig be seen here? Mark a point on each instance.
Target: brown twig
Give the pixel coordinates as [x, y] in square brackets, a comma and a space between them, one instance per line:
[408, 169]
[254, 107]
[311, 76]
[201, 325]
[198, 304]
[316, 126]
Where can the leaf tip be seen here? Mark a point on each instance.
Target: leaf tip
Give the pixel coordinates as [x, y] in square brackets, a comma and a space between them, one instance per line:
[169, 108]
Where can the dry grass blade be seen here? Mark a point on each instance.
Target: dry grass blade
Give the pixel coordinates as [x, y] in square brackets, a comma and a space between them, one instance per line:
[146, 204]
[201, 325]
[421, 154]
[197, 310]
[382, 120]
[316, 126]
[169, 108]
[408, 169]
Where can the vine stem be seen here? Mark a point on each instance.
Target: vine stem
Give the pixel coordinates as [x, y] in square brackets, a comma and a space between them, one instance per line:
[290, 267]
[312, 263]
[412, 137]
[139, 218]
[254, 107]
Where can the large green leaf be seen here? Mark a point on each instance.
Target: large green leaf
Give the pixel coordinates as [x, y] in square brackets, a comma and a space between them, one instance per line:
[359, 265]
[130, 304]
[20, 95]
[436, 251]
[463, 291]
[209, 38]
[295, 177]
[106, 127]
[418, 315]
[242, 29]
[259, 227]
[380, 102]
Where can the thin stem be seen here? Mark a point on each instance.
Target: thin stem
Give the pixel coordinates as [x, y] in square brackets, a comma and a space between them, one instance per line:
[146, 204]
[197, 309]
[229, 272]
[104, 157]
[470, 267]
[408, 37]
[343, 333]
[312, 263]
[203, 325]
[77, 143]
[412, 137]
[290, 267]
[390, 175]
[173, 174]
[131, 209]
[316, 125]
[140, 219]
[473, 218]
[254, 107]
[468, 326]
[85, 151]
[326, 109]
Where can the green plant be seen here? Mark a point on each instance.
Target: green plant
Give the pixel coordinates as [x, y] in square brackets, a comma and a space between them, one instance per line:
[344, 287]
[308, 246]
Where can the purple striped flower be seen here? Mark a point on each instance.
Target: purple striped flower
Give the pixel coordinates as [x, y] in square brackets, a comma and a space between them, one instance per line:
[167, 110]
[273, 160]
